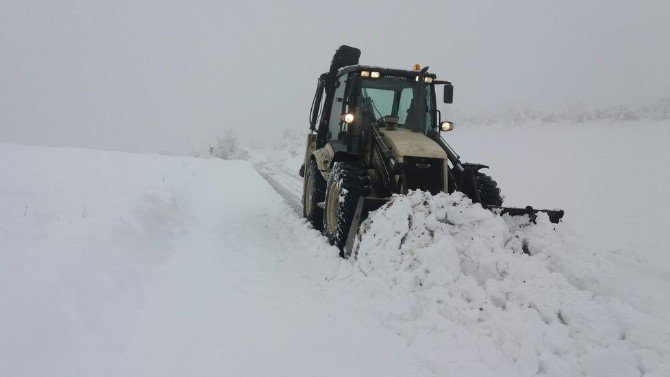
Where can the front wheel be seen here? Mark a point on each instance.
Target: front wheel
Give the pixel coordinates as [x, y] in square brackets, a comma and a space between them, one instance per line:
[346, 185]
[489, 193]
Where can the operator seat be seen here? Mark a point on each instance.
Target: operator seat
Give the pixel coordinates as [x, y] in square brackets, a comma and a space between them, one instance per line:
[366, 118]
[411, 122]
[366, 112]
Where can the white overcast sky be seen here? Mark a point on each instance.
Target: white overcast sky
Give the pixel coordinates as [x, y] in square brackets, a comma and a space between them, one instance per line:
[151, 76]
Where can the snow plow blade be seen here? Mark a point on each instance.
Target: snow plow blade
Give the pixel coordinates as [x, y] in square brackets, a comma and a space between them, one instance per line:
[555, 215]
[363, 207]
[367, 204]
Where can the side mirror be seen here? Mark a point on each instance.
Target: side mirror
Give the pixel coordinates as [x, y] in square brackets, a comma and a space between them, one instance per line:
[448, 93]
[446, 126]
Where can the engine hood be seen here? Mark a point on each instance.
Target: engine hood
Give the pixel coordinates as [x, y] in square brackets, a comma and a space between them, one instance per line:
[404, 142]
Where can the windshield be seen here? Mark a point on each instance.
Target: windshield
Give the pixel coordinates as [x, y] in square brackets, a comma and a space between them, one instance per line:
[396, 97]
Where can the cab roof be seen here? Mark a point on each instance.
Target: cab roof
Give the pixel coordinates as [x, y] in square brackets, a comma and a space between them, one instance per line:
[383, 71]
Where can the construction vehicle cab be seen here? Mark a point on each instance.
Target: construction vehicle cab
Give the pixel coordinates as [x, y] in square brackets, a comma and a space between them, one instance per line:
[367, 96]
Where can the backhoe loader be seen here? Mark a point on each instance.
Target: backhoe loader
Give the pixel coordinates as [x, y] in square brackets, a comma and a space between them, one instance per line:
[375, 132]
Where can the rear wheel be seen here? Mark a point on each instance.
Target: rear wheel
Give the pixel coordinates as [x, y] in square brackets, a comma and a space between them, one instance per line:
[313, 192]
[489, 192]
[346, 185]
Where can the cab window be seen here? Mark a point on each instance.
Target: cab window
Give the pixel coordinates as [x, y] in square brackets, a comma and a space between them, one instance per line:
[397, 96]
[336, 127]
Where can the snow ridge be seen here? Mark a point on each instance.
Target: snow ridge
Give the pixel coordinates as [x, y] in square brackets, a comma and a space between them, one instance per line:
[478, 293]
[577, 114]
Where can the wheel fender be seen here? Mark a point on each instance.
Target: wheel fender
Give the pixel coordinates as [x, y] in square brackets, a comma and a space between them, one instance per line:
[324, 160]
[311, 144]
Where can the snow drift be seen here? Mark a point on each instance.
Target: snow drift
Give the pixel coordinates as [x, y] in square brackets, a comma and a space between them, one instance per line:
[475, 293]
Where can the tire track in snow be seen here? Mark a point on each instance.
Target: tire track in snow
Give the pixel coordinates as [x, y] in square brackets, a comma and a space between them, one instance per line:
[287, 184]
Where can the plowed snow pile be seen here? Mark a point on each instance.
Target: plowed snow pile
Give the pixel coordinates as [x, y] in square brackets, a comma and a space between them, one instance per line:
[475, 293]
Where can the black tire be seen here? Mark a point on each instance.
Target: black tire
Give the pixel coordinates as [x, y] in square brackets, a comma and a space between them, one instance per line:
[313, 192]
[346, 185]
[489, 193]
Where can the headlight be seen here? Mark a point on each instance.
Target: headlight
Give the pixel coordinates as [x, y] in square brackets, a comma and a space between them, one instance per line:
[365, 73]
[446, 126]
[347, 118]
[374, 75]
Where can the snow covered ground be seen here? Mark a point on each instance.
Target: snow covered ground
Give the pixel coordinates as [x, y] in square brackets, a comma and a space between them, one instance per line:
[125, 264]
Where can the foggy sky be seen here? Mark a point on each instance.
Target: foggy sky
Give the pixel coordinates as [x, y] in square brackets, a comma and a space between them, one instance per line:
[169, 76]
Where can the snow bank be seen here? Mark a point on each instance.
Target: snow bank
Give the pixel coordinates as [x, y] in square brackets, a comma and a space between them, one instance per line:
[481, 295]
[80, 235]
